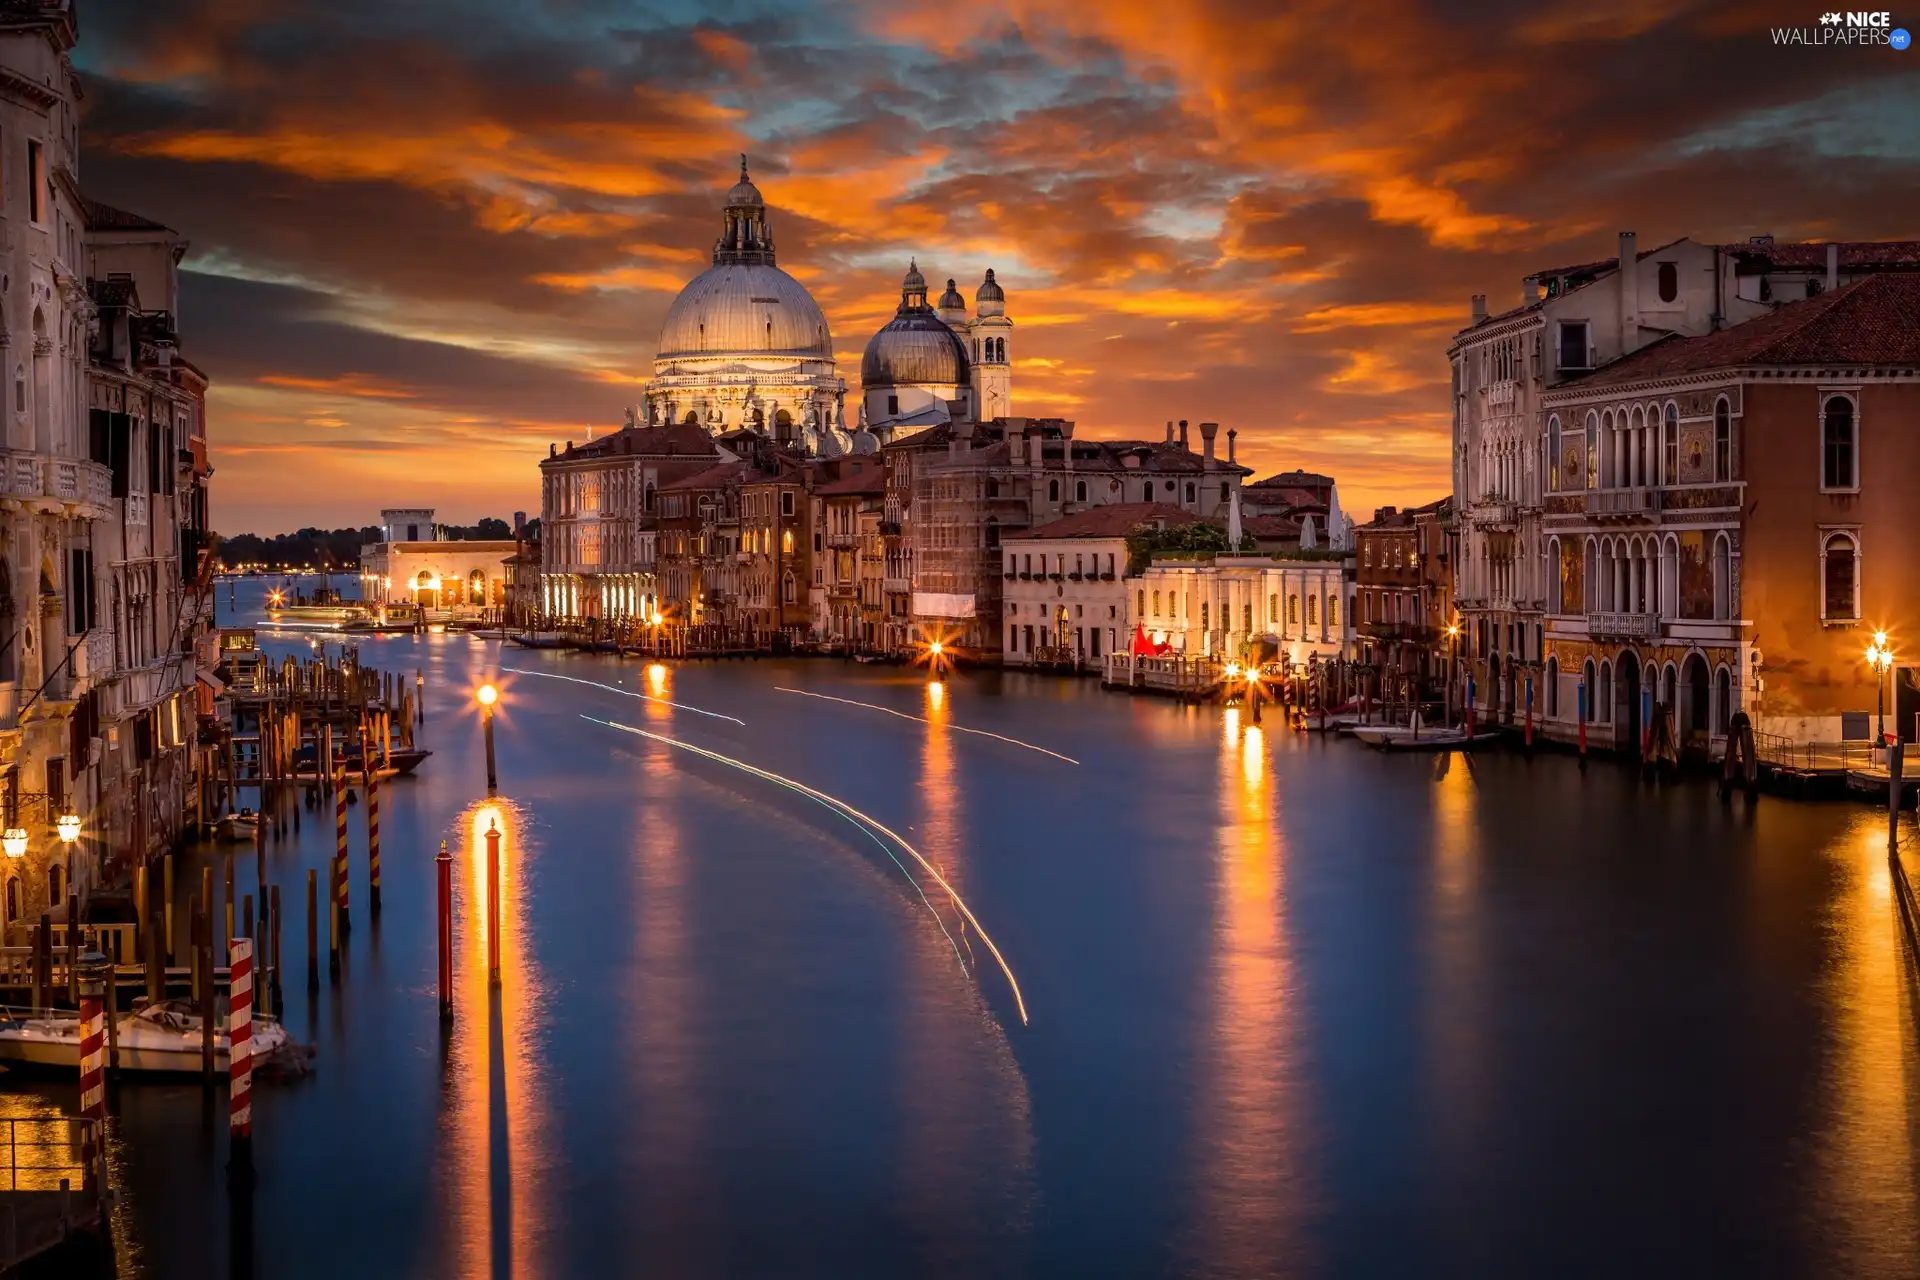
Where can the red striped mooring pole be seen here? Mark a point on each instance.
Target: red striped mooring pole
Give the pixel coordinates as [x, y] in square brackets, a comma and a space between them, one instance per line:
[340, 841]
[93, 1070]
[240, 1057]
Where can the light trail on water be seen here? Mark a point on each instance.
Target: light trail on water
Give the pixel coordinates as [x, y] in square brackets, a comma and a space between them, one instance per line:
[957, 728]
[626, 693]
[858, 816]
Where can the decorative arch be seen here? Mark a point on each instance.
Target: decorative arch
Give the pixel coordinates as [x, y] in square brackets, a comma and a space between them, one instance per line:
[1839, 442]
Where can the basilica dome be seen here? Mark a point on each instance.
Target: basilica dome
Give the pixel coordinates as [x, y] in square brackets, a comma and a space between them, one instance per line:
[916, 347]
[744, 309]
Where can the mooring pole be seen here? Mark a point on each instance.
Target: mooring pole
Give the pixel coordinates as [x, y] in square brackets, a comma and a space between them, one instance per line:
[443, 866]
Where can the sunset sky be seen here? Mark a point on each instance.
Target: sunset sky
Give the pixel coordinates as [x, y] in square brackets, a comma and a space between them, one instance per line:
[431, 237]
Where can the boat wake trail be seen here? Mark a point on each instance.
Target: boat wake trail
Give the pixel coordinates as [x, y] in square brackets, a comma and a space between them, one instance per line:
[625, 693]
[957, 728]
[868, 823]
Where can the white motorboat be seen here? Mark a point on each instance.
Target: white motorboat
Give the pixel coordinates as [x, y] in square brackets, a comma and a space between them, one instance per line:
[160, 1039]
[241, 826]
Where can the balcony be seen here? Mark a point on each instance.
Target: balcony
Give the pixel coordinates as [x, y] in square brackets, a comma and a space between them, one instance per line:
[1491, 512]
[1624, 626]
[68, 481]
[1623, 502]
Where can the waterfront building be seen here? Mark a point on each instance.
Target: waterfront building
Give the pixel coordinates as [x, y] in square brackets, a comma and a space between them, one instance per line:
[1573, 320]
[415, 564]
[745, 345]
[1727, 526]
[976, 483]
[1214, 608]
[698, 537]
[1066, 584]
[849, 503]
[775, 533]
[522, 573]
[599, 516]
[103, 514]
[1403, 589]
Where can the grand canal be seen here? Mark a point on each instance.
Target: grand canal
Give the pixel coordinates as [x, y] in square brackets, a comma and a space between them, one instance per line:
[1294, 1008]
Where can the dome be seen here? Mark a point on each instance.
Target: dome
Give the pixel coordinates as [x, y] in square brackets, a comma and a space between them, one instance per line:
[951, 300]
[915, 348]
[991, 299]
[744, 193]
[744, 309]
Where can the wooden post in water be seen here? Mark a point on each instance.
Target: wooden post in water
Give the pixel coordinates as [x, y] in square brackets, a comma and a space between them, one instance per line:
[443, 867]
[340, 847]
[333, 920]
[493, 904]
[1895, 767]
[193, 948]
[156, 964]
[246, 917]
[207, 1013]
[167, 889]
[43, 963]
[274, 940]
[240, 1059]
[73, 942]
[373, 831]
[313, 930]
[226, 905]
[139, 904]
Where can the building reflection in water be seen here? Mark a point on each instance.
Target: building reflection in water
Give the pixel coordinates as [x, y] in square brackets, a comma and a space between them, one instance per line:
[495, 1156]
[967, 1136]
[668, 1124]
[1251, 1159]
[1868, 1160]
[1455, 1024]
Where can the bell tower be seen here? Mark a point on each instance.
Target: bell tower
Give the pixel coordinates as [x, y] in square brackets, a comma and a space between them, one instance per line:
[991, 335]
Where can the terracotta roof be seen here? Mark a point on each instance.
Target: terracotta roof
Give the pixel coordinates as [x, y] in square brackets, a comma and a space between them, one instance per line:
[682, 438]
[1115, 520]
[868, 480]
[1873, 321]
[1854, 254]
[104, 217]
[1293, 480]
[1286, 526]
[709, 477]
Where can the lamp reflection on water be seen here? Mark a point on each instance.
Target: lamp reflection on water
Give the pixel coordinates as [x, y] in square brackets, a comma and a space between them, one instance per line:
[1250, 1153]
[495, 1155]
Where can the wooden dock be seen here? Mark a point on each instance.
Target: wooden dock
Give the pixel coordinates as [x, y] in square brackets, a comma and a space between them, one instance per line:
[53, 1209]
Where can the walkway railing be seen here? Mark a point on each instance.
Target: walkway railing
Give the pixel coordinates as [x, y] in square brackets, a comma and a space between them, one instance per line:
[41, 1153]
[1812, 757]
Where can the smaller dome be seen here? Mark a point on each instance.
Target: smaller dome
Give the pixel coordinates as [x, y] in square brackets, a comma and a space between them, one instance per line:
[990, 299]
[915, 348]
[951, 299]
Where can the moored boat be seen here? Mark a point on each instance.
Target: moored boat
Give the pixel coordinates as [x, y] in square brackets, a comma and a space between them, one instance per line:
[162, 1039]
[244, 825]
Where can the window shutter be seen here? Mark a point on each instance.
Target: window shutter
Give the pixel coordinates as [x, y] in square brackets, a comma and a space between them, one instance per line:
[119, 447]
[98, 435]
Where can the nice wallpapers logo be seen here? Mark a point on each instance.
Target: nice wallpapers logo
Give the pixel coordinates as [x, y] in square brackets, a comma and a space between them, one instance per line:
[1847, 31]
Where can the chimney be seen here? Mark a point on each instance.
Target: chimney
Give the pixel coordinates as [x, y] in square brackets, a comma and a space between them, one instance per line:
[553, 450]
[1532, 291]
[1629, 292]
[519, 523]
[1066, 443]
[1208, 430]
[1833, 267]
[1231, 433]
[1183, 433]
[1169, 430]
[1017, 447]
[1479, 307]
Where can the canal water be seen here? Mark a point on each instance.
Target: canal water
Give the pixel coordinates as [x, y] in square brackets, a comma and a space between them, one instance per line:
[1291, 1007]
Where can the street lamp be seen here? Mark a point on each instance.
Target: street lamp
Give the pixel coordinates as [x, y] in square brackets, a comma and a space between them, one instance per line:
[1453, 664]
[14, 842]
[487, 696]
[1880, 658]
[68, 825]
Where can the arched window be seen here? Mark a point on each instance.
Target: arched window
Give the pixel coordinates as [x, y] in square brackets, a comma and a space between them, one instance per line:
[1156, 604]
[1311, 600]
[1722, 578]
[1204, 607]
[1722, 441]
[1593, 451]
[1840, 572]
[1146, 492]
[1189, 491]
[1670, 446]
[1053, 491]
[1669, 281]
[1839, 445]
[1553, 686]
[1722, 699]
[1293, 610]
[1079, 490]
[1586, 691]
[1273, 607]
[786, 588]
[1553, 453]
[1333, 612]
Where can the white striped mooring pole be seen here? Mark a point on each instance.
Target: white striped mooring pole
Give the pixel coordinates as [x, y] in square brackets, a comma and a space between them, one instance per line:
[93, 1065]
[240, 1059]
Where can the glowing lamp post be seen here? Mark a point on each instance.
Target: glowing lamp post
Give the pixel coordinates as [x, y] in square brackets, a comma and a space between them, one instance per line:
[936, 656]
[68, 826]
[1453, 664]
[487, 696]
[1880, 658]
[14, 842]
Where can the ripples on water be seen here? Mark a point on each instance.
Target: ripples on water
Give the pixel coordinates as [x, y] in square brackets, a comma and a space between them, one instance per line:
[1297, 1008]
